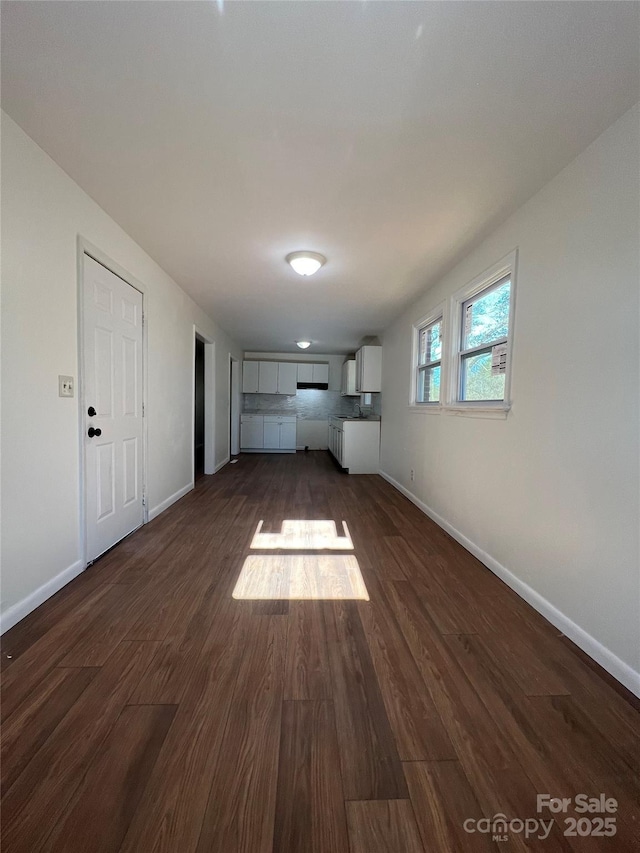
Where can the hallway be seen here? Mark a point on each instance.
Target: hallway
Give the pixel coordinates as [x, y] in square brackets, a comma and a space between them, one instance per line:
[145, 709]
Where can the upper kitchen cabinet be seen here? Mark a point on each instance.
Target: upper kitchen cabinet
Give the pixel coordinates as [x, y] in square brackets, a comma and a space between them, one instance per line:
[349, 379]
[305, 372]
[269, 377]
[369, 369]
[282, 377]
[313, 374]
[250, 370]
[287, 377]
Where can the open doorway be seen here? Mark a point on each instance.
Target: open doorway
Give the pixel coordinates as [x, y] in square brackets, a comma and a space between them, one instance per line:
[198, 412]
[204, 395]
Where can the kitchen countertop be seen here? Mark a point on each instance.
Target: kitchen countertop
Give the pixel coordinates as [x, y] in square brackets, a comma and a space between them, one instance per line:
[355, 418]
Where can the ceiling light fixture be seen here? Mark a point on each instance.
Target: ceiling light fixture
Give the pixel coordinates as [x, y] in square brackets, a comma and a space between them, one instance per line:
[306, 263]
[303, 344]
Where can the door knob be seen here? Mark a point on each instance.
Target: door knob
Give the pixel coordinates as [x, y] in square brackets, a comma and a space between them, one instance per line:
[91, 411]
[91, 432]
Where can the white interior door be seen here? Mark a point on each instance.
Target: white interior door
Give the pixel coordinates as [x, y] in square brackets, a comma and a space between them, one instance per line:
[112, 402]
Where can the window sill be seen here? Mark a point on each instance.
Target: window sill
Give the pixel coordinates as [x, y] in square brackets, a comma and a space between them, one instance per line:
[497, 412]
[435, 409]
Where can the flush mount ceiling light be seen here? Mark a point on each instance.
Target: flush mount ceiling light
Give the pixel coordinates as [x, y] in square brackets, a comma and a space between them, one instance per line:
[303, 344]
[305, 263]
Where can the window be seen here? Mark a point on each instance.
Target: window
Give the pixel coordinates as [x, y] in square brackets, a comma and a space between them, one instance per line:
[483, 349]
[461, 354]
[429, 352]
[482, 315]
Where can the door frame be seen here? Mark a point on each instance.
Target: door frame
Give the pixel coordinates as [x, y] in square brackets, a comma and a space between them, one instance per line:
[209, 403]
[234, 406]
[84, 247]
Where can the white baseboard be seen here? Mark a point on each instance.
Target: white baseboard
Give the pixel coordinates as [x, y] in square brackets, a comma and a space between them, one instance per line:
[18, 611]
[155, 512]
[221, 464]
[607, 659]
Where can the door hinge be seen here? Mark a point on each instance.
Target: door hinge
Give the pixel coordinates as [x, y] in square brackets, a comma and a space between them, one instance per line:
[144, 500]
[143, 410]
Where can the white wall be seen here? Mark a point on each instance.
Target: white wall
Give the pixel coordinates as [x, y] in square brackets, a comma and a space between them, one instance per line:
[549, 496]
[43, 212]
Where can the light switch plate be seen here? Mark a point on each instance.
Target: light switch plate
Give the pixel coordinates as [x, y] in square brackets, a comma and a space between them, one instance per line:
[65, 386]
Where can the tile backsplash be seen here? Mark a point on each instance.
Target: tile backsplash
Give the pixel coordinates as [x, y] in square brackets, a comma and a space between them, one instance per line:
[308, 404]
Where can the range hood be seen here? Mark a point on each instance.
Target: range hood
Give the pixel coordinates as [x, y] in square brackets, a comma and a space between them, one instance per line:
[320, 386]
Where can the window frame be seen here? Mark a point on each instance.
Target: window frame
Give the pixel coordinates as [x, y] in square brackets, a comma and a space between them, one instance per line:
[485, 282]
[430, 319]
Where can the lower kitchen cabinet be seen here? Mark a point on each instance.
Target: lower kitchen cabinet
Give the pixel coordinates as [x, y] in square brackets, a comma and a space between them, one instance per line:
[251, 432]
[355, 444]
[268, 433]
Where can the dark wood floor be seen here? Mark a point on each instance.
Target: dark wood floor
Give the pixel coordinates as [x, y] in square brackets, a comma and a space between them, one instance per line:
[146, 710]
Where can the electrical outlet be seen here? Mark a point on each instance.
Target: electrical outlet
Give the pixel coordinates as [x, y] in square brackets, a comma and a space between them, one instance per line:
[65, 386]
[413, 475]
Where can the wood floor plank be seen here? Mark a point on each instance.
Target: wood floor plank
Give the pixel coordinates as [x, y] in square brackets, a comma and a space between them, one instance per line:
[310, 815]
[528, 726]
[307, 674]
[371, 768]
[48, 650]
[415, 721]
[442, 801]
[490, 764]
[515, 652]
[504, 700]
[290, 714]
[171, 668]
[49, 781]
[171, 811]
[28, 728]
[107, 799]
[571, 735]
[270, 608]
[240, 813]
[383, 826]
[113, 625]
[451, 611]
[52, 612]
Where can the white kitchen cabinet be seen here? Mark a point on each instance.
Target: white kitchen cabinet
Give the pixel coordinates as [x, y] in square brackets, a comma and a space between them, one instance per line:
[336, 434]
[316, 373]
[251, 432]
[280, 433]
[271, 435]
[305, 372]
[349, 379]
[288, 430]
[268, 377]
[369, 369]
[287, 377]
[355, 444]
[250, 377]
[321, 373]
[268, 433]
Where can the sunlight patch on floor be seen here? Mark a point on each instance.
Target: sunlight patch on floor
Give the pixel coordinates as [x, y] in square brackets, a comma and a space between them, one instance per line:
[300, 576]
[303, 535]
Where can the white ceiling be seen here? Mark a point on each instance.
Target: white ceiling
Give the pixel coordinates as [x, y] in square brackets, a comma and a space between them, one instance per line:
[390, 136]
